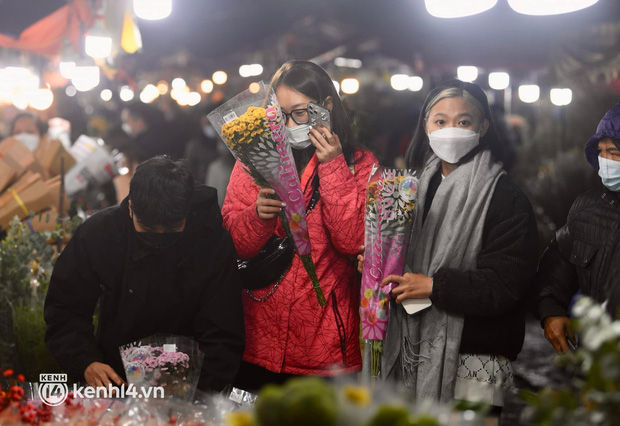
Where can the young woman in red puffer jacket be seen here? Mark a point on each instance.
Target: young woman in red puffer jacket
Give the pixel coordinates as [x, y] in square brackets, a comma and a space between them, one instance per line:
[287, 332]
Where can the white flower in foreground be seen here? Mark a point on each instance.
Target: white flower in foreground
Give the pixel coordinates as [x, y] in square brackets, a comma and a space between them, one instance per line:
[595, 325]
[582, 304]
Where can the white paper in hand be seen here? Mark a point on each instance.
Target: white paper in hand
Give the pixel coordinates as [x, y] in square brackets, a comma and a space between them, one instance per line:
[413, 306]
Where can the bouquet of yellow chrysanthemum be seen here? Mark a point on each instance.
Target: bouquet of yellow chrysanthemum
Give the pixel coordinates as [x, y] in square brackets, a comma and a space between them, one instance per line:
[252, 127]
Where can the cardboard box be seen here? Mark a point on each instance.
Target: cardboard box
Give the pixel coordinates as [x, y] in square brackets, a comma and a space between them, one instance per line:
[33, 196]
[18, 156]
[7, 174]
[50, 153]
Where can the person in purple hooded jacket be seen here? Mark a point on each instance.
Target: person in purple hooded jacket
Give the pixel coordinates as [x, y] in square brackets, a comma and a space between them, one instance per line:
[582, 253]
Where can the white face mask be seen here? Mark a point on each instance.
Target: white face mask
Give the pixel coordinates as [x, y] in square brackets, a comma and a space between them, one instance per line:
[298, 136]
[453, 143]
[127, 129]
[209, 131]
[31, 141]
[609, 171]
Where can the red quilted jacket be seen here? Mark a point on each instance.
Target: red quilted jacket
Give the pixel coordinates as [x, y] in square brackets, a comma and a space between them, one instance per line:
[289, 332]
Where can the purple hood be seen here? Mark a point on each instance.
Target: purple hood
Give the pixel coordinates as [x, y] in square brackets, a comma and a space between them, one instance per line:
[608, 127]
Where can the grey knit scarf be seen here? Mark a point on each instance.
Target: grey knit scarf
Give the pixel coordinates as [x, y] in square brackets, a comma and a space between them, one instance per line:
[422, 350]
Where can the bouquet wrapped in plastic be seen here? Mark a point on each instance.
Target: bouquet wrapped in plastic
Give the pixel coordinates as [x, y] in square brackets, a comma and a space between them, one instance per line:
[170, 362]
[390, 209]
[252, 127]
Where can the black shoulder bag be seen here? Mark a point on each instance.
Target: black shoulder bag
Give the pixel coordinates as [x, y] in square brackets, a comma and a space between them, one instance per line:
[274, 260]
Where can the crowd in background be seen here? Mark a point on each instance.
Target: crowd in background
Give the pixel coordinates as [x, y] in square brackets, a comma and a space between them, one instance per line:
[139, 131]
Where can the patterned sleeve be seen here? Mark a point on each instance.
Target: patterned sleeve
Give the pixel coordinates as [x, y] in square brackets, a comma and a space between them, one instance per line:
[248, 231]
[343, 194]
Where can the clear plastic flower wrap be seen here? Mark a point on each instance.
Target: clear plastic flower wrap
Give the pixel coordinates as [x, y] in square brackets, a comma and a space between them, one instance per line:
[252, 127]
[165, 362]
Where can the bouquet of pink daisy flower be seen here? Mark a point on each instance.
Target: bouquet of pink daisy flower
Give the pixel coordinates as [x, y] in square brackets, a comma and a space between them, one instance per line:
[390, 209]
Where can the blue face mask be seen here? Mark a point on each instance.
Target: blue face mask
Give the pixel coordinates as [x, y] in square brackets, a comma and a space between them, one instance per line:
[609, 171]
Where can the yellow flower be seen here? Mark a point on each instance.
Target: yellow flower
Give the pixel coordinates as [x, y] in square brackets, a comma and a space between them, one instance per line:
[240, 418]
[245, 129]
[357, 395]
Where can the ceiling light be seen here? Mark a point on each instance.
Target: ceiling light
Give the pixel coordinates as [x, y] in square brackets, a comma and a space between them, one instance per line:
[499, 80]
[549, 7]
[347, 62]
[41, 99]
[219, 77]
[106, 95]
[561, 97]
[457, 8]
[350, 86]
[400, 81]
[126, 94]
[467, 73]
[152, 9]
[415, 83]
[529, 93]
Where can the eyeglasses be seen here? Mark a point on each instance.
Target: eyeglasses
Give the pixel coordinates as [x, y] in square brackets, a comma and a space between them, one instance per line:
[299, 116]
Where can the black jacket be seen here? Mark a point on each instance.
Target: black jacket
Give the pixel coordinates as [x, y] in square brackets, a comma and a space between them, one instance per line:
[580, 255]
[492, 298]
[190, 289]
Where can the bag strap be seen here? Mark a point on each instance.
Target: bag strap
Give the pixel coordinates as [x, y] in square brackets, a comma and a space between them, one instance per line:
[316, 195]
[273, 289]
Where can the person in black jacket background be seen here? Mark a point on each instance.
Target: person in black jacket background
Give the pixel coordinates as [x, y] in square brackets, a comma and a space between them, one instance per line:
[582, 253]
[160, 262]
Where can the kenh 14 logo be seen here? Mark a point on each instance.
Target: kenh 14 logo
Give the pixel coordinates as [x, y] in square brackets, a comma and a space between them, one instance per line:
[53, 388]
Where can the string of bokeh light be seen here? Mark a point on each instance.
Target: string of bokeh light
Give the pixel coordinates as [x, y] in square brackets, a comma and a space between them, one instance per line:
[85, 76]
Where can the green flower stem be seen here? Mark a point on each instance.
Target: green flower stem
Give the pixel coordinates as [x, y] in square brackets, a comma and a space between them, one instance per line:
[306, 259]
[311, 270]
[376, 349]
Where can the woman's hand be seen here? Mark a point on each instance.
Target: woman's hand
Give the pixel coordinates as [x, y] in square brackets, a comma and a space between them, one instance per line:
[360, 259]
[268, 208]
[327, 144]
[410, 286]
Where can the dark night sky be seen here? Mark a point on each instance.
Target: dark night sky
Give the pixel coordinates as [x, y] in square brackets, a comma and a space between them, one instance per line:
[222, 33]
[215, 31]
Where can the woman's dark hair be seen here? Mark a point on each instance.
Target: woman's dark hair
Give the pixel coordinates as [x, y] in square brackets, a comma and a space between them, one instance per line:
[161, 192]
[147, 112]
[419, 148]
[311, 80]
[41, 126]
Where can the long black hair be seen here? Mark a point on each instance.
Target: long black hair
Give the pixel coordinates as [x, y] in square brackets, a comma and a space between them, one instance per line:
[313, 81]
[419, 148]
